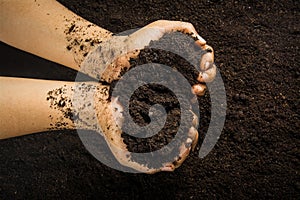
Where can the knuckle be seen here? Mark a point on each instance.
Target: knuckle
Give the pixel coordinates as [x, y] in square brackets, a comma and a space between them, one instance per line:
[188, 25]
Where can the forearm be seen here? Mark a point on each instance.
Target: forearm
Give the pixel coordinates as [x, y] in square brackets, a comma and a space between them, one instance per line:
[49, 30]
[31, 105]
[26, 107]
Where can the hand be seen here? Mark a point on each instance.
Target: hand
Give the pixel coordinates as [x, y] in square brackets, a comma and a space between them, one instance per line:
[118, 50]
[116, 54]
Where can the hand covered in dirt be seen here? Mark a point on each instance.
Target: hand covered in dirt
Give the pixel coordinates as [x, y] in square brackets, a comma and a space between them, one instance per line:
[111, 59]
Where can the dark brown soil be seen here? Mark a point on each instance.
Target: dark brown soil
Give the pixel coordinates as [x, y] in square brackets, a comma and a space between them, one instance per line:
[150, 94]
[257, 156]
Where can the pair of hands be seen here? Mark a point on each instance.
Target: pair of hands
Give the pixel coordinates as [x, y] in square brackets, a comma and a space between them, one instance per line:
[124, 48]
[53, 47]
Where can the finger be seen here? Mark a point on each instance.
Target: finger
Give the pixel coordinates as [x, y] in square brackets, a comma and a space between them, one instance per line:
[198, 89]
[193, 134]
[184, 27]
[189, 144]
[207, 66]
[208, 69]
[155, 30]
[169, 167]
[184, 152]
[208, 75]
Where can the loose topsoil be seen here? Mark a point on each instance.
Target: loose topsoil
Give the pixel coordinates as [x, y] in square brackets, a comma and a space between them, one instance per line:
[257, 156]
[178, 114]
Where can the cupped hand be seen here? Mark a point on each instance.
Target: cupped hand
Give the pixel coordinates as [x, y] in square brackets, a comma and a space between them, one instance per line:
[107, 63]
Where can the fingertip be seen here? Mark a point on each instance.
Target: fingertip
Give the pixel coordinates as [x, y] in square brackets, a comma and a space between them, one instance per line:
[168, 168]
[200, 40]
[199, 89]
[208, 75]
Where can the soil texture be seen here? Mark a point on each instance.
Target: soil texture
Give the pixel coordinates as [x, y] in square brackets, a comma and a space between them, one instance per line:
[256, 48]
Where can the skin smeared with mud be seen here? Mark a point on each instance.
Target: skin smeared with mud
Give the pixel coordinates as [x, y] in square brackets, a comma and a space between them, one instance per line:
[96, 97]
[82, 38]
[63, 100]
[151, 94]
[59, 101]
[69, 39]
[97, 110]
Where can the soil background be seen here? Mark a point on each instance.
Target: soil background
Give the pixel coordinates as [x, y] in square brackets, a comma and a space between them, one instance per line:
[257, 156]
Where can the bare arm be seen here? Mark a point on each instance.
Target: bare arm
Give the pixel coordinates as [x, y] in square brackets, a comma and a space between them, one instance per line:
[49, 30]
[30, 105]
[25, 109]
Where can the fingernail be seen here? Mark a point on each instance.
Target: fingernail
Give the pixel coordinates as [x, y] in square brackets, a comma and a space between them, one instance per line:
[206, 60]
[198, 89]
[201, 39]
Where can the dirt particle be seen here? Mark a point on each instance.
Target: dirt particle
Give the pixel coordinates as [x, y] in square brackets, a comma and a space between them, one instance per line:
[61, 103]
[71, 28]
[69, 47]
